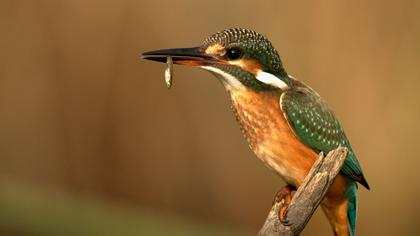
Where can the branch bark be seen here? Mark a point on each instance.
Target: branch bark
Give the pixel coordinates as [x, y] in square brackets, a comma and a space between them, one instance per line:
[307, 197]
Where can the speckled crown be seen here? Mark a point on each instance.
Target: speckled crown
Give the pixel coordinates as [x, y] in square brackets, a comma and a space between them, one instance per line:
[227, 36]
[255, 43]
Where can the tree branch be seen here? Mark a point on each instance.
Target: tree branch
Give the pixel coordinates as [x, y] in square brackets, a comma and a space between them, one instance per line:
[308, 196]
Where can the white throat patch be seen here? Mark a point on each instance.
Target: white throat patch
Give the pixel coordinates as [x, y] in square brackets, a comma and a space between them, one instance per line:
[232, 83]
[271, 79]
[228, 80]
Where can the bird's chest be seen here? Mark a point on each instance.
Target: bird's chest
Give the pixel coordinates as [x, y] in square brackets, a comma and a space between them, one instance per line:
[269, 135]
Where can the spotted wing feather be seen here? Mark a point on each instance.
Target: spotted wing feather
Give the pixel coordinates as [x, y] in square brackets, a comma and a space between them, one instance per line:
[315, 124]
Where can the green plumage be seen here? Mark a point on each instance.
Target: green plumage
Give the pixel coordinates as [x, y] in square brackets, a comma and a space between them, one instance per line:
[316, 125]
[351, 195]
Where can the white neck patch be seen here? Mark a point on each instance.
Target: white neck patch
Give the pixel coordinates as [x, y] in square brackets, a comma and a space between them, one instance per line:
[228, 80]
[271, 79]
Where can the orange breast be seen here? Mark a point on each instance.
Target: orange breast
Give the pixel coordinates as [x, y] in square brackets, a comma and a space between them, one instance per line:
[273, 141]
[269, 135]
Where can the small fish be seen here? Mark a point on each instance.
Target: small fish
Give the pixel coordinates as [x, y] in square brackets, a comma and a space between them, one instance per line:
[168, 72]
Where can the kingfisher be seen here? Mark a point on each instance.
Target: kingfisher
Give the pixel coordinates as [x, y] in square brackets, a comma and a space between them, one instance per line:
[285, 122]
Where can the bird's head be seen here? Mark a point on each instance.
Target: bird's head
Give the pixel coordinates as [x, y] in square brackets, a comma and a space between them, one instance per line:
[238, 57]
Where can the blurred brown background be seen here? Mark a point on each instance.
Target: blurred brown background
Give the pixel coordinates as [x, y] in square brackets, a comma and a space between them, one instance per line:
[84, 122]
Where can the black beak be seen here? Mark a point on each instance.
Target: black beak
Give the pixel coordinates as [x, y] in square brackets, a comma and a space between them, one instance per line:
[183, 56]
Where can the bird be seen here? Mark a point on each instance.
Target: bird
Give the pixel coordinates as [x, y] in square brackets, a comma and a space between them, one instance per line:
[285, 122]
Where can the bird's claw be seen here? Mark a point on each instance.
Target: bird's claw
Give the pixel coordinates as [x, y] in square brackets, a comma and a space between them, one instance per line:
[283, 216]
[284, 195]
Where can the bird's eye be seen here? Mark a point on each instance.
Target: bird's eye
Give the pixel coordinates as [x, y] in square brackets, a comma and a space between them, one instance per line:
[233, 53]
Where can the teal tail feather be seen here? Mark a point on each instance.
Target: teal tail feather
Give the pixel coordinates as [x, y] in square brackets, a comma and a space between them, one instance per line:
[351, 195]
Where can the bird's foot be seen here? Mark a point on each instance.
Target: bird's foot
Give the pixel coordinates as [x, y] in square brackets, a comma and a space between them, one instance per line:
[284, 195]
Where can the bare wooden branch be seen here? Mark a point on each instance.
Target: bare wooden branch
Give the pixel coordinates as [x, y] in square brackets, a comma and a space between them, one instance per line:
[308, 196]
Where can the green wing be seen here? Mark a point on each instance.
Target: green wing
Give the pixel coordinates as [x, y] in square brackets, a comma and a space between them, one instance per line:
[315, 124]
